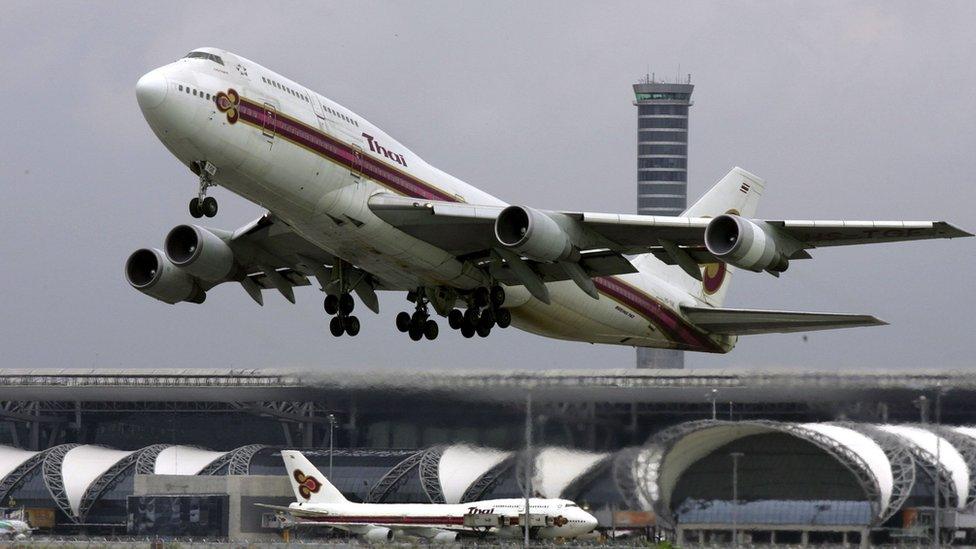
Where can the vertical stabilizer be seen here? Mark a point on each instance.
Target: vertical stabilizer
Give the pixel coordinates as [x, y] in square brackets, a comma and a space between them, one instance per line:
[308, 483]
[737, 193]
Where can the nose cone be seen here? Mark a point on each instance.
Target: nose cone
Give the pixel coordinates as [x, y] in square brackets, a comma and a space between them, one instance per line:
[590, 523]
[151, 90]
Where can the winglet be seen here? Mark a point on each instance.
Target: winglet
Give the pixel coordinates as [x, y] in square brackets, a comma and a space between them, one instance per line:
[948, 230]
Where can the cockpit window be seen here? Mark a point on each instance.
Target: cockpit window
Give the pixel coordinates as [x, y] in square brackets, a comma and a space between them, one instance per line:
[204, 55]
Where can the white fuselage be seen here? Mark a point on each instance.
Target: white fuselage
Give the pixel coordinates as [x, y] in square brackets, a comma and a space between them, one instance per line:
[314, 164]
[566, 519]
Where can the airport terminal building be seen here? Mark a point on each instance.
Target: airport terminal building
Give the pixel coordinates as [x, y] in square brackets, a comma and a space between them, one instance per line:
[690, 455]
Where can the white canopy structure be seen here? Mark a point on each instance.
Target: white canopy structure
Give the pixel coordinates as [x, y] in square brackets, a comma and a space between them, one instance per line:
[557, 468]
[939, 451]
[462, 465]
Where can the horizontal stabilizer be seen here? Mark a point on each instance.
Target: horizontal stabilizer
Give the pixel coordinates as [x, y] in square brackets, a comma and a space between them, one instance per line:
[752, 321]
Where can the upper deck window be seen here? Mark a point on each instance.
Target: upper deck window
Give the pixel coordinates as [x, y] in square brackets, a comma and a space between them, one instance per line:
[204, 55]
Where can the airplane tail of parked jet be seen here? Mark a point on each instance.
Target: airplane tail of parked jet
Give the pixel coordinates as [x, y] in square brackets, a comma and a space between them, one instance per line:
[308, 483]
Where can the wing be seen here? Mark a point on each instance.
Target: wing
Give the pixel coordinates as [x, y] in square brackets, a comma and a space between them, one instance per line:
[468, 231]
[752, 321]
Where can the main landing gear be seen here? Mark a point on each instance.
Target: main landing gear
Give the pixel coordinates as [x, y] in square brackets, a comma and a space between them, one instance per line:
[483, 313]
[203, 205]
[419, 324]
[341, 306]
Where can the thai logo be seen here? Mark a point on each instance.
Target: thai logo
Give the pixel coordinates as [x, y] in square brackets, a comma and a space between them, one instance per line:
[713, 274]
[307, 485]
[227, 103]
[375, 146]
[560, 521]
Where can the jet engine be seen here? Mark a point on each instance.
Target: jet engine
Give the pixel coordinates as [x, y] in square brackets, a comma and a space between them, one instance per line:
[200, 252]
[745, 244]
[445, 537]
[378, 533]
[150, 272]
[532, 234]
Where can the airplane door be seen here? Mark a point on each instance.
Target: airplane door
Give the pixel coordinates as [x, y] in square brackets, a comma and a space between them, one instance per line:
[270, 119]
[357, 165]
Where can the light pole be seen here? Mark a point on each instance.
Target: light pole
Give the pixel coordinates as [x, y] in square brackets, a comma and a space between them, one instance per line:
[735, 497]
[528, 462]
[938, 461]
[332, 422]
[712, 396]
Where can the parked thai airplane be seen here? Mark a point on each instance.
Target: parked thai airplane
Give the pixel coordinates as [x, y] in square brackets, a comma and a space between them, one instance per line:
[319, 502]
[357, 211]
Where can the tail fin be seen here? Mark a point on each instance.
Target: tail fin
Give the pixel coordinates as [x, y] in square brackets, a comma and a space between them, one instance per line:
[739, 193]
[309, 484]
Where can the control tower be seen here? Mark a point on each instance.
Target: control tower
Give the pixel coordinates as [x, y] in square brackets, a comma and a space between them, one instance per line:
[662, 169]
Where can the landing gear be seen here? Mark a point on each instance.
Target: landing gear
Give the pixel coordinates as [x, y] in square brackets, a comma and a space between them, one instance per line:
[484, 312]
[341, 305]
[419, 325]
[203, 205]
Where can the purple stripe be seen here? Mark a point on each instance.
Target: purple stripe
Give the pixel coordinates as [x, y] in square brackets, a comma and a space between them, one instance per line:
[671, 325]
[337, 151]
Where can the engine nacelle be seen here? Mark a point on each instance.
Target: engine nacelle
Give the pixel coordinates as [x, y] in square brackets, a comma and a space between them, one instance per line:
[445, 537]
[150, 272]
[378, 533]
[200, 252]
[744, 244]
[532, 234]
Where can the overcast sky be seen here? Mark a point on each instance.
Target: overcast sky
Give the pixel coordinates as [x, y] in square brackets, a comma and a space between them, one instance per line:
[849, 110]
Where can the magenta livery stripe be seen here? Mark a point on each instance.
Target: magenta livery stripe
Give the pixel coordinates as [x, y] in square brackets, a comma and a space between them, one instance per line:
[445, 520]
[670, 324]
[324, 145]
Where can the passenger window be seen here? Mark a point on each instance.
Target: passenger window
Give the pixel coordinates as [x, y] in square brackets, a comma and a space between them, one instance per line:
[194, 92]
[181, 87]
[208, 97]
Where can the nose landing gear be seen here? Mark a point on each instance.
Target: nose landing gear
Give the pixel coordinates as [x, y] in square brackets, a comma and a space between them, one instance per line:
[203, 205]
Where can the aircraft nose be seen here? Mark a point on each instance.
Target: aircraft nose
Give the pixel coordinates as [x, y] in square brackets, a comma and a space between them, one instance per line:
[151, 90]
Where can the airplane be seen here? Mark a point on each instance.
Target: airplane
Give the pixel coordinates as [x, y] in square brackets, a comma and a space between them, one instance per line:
[318, 502]
[13, 529]
[358, 212]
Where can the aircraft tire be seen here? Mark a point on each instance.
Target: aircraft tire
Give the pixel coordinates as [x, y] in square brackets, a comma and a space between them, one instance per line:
[481, 296]
[503, 318]
[416, 332]
[209, 206]
[335, 326]
[483, 330]
[351, 324]
[497, 296]
[455, 319]
[471, 317]
[431, 330]
[346, 304]
[195, 208]
[331, 304]
[403, 321]
[467, 331]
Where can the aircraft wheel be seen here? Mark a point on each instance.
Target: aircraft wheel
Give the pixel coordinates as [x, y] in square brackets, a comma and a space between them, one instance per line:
[471, 317]
[351, 324]
[486, 322]
[467, 330]
[455, 318]
[497, 296]
[403, 321]
[416, 332]
[209, 206]
[196, 210]
[431, 330]
[503, 318]
[483, 330]
[346, 304]
[481, 296]
[335, 326]
[331, 304]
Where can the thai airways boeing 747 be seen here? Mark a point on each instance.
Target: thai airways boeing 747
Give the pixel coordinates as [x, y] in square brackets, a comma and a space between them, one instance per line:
[357, 212]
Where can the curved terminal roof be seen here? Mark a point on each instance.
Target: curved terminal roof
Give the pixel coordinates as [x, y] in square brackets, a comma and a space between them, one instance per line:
[934, 447]
[11, 458]
[184, 460]
[556, 468]
[869, 450]
[82, 466]
[463, 464]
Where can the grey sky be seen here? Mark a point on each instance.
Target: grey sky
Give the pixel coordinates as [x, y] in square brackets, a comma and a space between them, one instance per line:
[849, 110]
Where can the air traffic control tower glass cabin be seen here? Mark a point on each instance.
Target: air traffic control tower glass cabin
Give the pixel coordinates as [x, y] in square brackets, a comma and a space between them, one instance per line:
[662, 169]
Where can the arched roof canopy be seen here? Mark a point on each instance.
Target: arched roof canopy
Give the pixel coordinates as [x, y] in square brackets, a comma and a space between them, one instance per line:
[462, 465]
[939, 455]
[687, 444]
